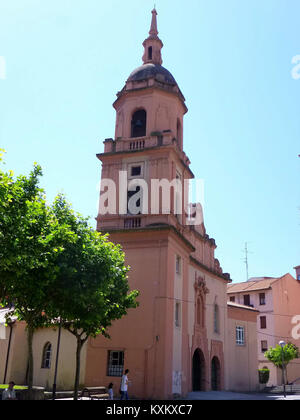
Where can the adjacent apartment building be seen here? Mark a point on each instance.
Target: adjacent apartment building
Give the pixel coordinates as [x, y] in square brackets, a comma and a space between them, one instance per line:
[277, 300]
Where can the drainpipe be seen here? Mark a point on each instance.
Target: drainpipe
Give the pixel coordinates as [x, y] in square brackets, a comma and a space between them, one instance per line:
[8, 350]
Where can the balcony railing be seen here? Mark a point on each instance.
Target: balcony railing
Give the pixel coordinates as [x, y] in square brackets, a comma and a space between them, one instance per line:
[142, 143]
[137, 145]
[132, 223]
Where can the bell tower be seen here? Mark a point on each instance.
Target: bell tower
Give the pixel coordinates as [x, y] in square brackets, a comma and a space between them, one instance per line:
[142, 206]
[148, 144]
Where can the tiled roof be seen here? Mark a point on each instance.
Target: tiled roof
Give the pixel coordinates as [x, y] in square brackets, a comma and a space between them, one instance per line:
[248, 286]
[151, 70]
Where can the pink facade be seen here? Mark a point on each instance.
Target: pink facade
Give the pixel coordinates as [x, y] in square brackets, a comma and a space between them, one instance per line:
[242, 363]
[277, 300]
[174, 342]
[182, 337]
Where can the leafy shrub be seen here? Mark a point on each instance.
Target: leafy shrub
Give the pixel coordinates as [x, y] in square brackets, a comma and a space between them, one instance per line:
[264, 376]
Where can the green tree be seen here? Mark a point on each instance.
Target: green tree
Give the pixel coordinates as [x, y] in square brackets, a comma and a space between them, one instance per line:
[53, 266]
[31, 238]
[275, 354]
[91, 286]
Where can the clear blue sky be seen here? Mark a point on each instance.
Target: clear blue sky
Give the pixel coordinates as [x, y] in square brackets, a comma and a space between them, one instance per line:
[66, 60]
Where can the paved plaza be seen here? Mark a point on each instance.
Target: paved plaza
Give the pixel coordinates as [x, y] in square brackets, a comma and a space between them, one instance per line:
[228, 396]
[223, 395]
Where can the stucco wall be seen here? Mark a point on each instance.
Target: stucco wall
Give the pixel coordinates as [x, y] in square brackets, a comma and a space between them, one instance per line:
[163, 109]
[282, 304]
[66, 363]
[286, 293]
[146, 331]
[3, 350]
[177, 367]
[17, 360]
[242, 373]
[210, 342]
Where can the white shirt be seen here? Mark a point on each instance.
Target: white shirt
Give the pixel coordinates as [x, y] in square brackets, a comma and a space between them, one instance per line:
[124, 383]
[8, 394]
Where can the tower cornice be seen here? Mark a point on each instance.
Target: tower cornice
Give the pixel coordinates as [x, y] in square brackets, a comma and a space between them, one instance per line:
[111, 150]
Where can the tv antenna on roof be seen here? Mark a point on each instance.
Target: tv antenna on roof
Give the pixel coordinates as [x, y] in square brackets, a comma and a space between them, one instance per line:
[246, 260]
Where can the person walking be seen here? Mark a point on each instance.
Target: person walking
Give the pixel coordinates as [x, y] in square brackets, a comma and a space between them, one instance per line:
[110, 391]
[9, 393]
[124, 386]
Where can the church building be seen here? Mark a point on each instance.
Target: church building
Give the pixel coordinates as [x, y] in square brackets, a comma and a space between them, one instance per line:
[184, 336]
[174, 342]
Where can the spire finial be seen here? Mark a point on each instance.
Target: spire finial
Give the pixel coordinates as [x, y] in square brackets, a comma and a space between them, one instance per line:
[153, 29]
[153, 44]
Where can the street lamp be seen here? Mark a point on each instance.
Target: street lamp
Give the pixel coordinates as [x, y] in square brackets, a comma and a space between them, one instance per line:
[282, 344]
[56, 361]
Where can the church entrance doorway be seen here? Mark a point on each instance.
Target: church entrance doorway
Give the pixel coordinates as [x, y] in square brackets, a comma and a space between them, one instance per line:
[198, 373]
[215, 374]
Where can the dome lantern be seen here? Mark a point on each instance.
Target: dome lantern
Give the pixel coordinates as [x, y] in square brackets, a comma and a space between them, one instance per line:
[153, 44]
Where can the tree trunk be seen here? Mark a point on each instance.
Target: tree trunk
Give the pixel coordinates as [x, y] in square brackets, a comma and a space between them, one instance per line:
[77, 375]
[30, 332]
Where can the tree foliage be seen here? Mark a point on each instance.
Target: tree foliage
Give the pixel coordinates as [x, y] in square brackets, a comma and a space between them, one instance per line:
[91, 287]
[54, 268]
[31, 238]
[264, 376]
[275, 354]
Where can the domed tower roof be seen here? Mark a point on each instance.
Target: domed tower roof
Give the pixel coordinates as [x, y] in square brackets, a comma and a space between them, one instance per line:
[152, 73]
[151, 70]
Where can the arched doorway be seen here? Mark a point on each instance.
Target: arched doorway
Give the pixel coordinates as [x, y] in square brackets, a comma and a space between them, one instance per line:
[215, 374]
[198, 372]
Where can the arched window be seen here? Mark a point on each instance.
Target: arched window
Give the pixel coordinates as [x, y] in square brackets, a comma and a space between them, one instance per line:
[138, 123]
[200, 300]
[200, 312]
[216, 319]
[150, 53]
[46, 359]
